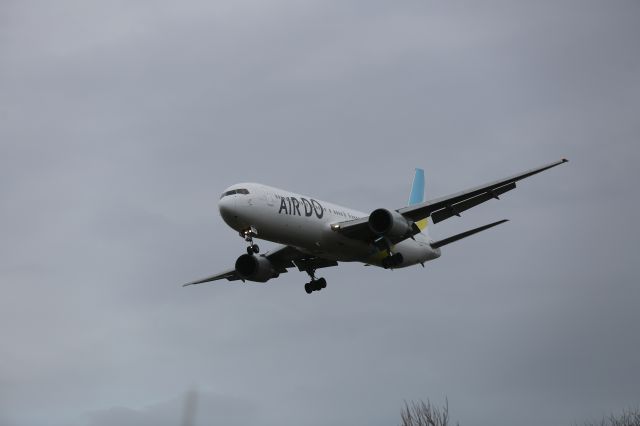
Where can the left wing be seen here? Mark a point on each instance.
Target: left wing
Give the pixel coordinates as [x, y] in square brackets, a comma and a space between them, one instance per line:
[282, 258]
[229, 275]
[441, 208]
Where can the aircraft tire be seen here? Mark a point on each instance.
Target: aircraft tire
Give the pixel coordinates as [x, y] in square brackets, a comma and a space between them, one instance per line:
[322, 283]
[256, 249]
[249, 250]
[308, 288]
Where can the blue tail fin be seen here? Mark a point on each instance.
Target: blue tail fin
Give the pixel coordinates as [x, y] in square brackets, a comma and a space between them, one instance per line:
[417, 189]
[417, 195]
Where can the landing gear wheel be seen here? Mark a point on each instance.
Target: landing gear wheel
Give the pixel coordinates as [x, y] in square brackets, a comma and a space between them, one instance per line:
[248, 235]
[392, 261]
[316, 284]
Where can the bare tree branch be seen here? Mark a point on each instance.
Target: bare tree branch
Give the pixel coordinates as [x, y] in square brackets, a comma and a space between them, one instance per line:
[629, 417]
[423, 413]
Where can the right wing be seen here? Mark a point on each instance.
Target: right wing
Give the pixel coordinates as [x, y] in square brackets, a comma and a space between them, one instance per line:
[451, 205]
[441, 208]
[282, 258]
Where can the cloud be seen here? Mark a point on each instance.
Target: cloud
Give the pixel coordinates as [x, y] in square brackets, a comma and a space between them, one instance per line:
[122, 123]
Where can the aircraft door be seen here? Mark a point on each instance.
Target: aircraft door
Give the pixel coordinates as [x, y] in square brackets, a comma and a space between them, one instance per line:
[271, 199]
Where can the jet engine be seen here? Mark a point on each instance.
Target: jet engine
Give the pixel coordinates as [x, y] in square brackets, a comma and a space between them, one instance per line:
[255, 268]
[389, 223]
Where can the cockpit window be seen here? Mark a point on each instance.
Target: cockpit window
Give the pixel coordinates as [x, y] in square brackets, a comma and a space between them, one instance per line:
[242, 191]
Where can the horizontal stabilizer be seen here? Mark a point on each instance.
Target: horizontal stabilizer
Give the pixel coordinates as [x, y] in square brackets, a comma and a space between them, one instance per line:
[438, 244]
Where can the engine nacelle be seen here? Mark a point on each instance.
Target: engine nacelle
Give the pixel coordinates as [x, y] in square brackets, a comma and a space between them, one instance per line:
[255, 268]
[389, 223]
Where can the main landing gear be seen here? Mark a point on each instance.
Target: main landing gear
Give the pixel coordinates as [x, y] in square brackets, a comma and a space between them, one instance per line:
[248, 235]
[392, 260]
[316, 284]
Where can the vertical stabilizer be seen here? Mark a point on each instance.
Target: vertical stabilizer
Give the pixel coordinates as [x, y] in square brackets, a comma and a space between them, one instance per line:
[417, 195]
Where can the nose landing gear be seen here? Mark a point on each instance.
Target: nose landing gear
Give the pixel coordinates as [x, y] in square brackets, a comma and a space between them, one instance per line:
[248, 235]
[316, 284]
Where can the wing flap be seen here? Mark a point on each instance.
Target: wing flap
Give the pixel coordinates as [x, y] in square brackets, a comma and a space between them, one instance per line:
[314, 263]
[283, 257]
[457, 208]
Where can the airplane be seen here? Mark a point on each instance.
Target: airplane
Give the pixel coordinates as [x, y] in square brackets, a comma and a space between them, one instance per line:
[314, 234]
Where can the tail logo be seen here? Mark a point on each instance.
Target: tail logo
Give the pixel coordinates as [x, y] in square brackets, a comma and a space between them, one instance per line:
[417, 195]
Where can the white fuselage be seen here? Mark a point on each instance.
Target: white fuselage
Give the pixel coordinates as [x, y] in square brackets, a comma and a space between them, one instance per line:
[305, 223]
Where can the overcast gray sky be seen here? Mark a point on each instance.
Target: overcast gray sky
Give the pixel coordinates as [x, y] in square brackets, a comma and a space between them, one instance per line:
[121, 122]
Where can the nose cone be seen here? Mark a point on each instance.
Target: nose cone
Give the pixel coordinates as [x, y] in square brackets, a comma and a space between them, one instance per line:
[227, 205]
